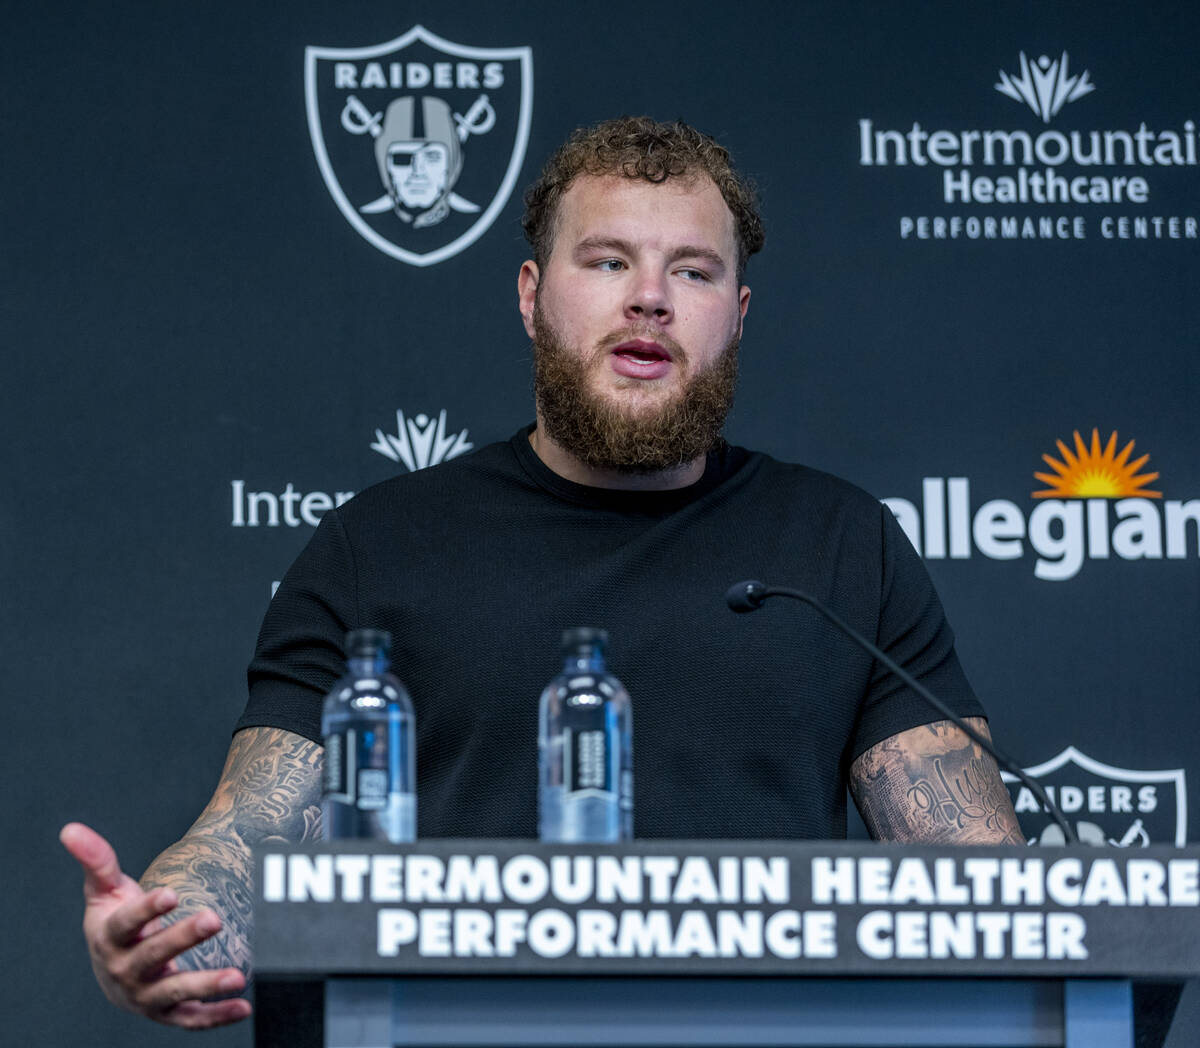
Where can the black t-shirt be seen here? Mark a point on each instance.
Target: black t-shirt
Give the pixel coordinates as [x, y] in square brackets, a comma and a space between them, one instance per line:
[744, 725]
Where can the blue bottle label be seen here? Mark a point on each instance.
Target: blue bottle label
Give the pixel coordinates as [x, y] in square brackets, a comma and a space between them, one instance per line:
[372, 789]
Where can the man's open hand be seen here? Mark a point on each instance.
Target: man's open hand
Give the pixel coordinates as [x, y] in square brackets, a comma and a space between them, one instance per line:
[134, 953]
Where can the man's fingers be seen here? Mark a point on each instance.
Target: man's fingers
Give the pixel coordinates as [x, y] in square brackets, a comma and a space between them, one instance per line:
[204, 1015]
[124, 925]
[148, 958]
[178, 999]
[102, 872]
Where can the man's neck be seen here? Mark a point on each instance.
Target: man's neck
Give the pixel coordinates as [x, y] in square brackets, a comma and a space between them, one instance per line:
[570, 468]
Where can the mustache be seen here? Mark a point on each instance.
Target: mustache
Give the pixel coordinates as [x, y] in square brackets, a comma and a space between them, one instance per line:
[610, 341]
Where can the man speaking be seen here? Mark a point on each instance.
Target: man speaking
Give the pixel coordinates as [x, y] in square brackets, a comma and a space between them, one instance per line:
[622, 508]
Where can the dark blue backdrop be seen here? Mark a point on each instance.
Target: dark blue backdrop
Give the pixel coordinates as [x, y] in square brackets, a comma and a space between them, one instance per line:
[190, 318]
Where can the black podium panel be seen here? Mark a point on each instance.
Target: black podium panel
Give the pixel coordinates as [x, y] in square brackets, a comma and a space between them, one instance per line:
[724, 943]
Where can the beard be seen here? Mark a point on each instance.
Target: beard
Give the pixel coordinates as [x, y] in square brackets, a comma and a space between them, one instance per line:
[628, 437]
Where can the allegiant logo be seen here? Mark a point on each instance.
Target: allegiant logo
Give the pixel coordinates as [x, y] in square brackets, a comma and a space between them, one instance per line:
[1095, 506]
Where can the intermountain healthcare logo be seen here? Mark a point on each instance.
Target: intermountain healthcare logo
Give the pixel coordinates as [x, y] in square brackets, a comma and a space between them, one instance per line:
[1045, 86]
[418, 442]
[420, 140]
[1053, 177]
[421, 442]
[1106, 805]
[1096, 505]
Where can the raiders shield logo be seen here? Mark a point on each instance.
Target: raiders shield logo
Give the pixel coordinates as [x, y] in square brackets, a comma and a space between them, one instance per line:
[420, 140]
[1106, 805]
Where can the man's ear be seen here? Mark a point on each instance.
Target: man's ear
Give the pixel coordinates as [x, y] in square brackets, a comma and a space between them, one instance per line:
[743, 305]
[527, 285]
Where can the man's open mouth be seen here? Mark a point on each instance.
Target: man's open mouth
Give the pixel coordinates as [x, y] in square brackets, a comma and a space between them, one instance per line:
[642, 351]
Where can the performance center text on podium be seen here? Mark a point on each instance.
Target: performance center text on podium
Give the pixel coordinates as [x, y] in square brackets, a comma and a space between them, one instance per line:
[757, 915]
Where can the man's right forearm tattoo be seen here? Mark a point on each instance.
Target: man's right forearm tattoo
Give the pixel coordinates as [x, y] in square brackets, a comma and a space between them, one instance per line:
[270, 790]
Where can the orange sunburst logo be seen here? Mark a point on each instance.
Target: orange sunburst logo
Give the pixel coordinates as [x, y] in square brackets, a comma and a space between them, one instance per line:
[1095, 473]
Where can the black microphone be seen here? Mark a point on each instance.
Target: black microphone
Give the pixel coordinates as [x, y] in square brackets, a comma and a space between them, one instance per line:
[750, 595]
[746, 596]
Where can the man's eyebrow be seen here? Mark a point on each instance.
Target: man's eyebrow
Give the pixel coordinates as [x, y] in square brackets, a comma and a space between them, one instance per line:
[701, 254]
[625, 247]
[597, 243]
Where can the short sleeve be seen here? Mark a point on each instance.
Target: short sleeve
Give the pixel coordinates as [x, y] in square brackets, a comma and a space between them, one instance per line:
[913, 630]
[300, 651]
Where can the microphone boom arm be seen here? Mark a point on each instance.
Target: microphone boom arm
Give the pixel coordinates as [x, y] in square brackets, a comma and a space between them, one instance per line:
[746, 596]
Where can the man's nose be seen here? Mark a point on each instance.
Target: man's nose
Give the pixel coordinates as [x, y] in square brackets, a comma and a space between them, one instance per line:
[649, 298]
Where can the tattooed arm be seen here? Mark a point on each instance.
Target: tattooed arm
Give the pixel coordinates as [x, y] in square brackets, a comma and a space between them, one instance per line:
[933, 785]
[270, 789]
[183, 935]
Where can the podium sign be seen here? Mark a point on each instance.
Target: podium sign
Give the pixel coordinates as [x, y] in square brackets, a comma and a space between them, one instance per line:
[727, 908]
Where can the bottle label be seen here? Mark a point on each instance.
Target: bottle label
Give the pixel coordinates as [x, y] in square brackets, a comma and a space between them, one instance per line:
[349, 775]
[336, 750]
[372, 789]
[587, 758]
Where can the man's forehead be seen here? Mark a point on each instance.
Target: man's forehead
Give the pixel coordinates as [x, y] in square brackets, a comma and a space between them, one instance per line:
[690, 206]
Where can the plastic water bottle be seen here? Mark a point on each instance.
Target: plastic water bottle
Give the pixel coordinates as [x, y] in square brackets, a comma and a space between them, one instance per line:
[370, 780]
[585, 748]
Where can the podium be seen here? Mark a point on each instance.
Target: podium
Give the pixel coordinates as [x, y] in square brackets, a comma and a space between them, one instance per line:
[674, 943]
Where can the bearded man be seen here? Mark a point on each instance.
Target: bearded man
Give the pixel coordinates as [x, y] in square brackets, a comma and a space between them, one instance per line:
[622, 508]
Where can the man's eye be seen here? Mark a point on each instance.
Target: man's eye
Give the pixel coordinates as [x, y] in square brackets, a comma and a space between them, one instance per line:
[610, 265]
[693, 274]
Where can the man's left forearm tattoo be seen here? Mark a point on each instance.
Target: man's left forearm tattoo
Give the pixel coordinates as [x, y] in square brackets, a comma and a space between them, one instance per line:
[934, 785]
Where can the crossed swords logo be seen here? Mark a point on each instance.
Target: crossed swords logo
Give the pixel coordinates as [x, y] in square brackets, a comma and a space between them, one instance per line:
[359, 120]
[1089, 833]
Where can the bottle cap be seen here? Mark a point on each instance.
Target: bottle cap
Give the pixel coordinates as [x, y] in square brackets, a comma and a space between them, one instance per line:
[367, 643]
[584, 637]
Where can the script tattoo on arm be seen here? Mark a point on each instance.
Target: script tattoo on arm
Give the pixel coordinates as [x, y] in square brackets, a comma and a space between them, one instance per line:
[934, 785]
[269, 790]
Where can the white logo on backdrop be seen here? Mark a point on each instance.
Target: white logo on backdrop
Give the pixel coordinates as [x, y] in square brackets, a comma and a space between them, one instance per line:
[418, 442]
[1109, 805]
[1045, 85]
[439, 127]
[421, 441]
[1096, 505]
[1049, 184]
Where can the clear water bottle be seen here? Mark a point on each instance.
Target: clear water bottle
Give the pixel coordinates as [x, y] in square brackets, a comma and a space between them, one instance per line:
[369, 787]
[585, 748]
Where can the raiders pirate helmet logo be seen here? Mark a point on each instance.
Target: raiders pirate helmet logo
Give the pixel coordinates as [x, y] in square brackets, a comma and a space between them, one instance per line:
[420, 140]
